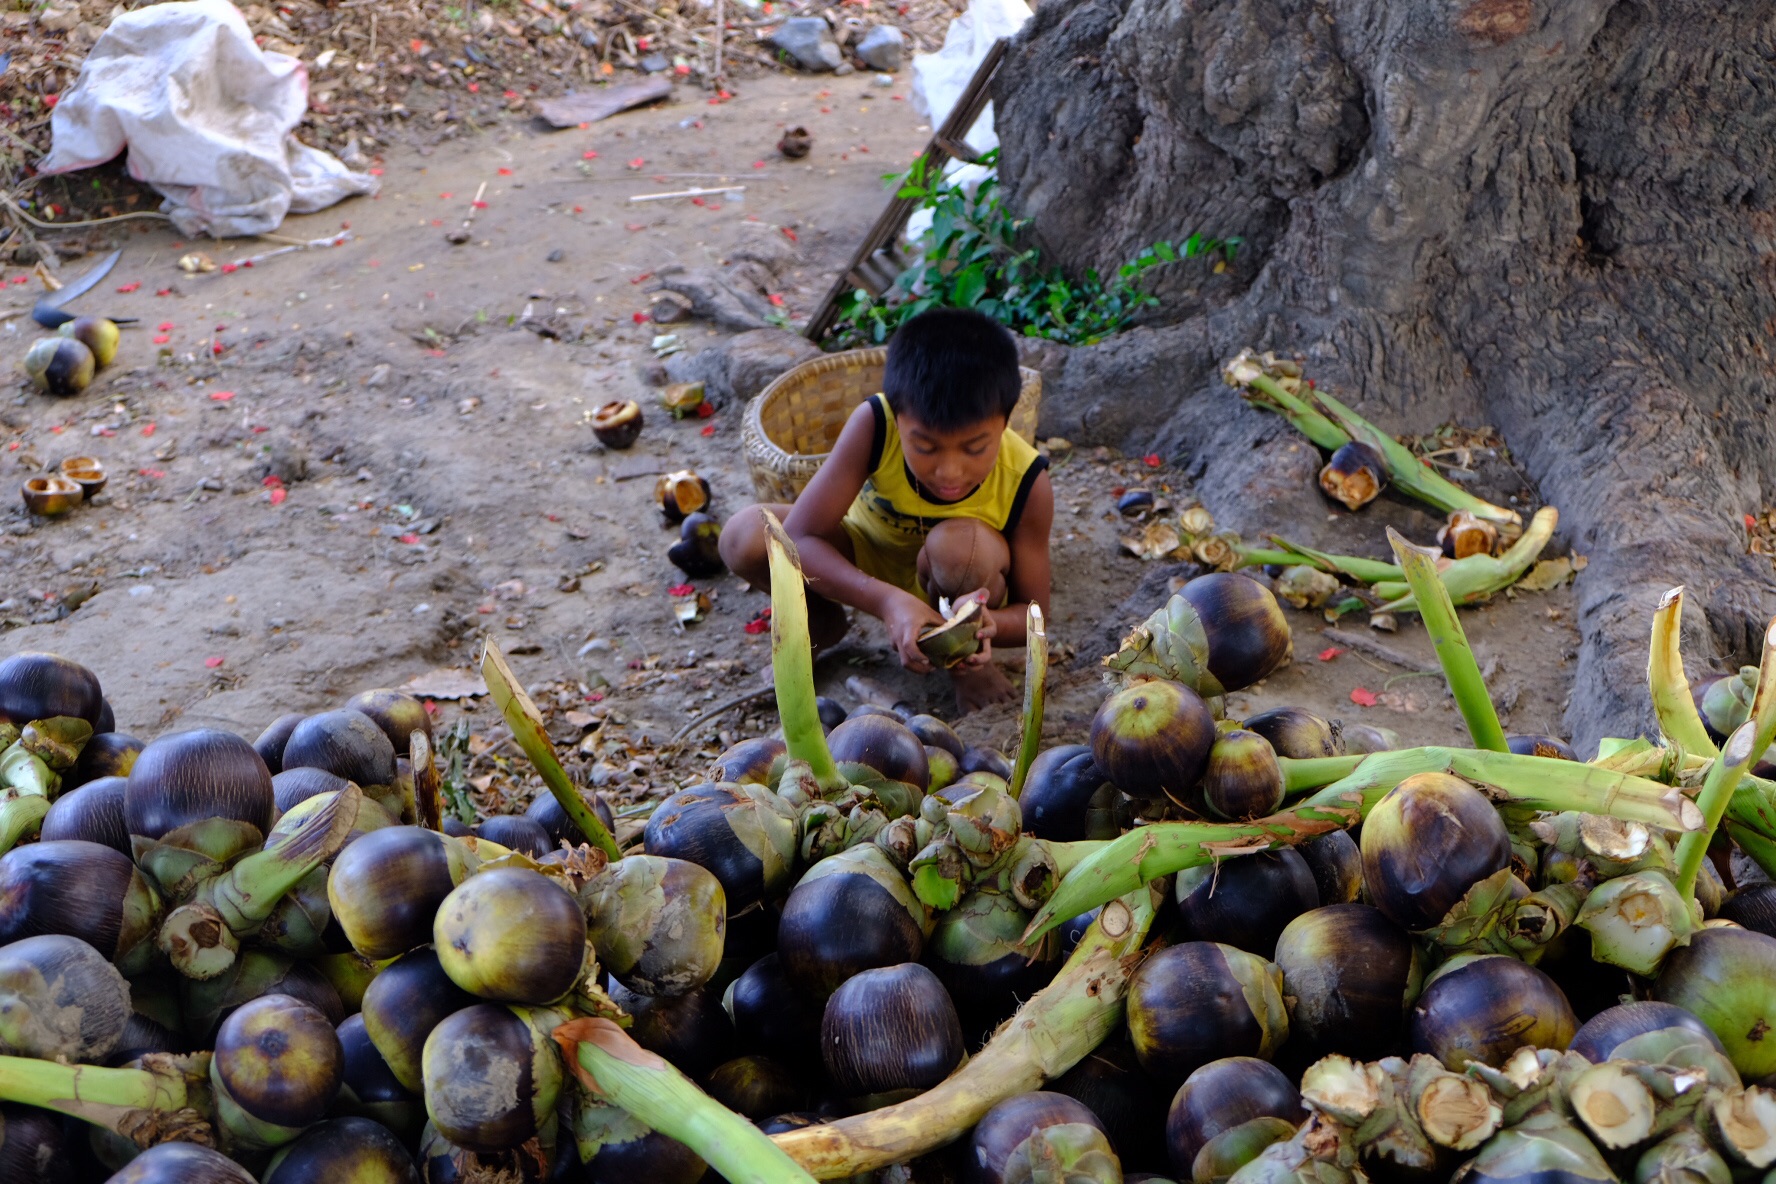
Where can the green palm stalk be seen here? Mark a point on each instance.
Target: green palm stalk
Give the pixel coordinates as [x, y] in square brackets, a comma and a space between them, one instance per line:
[1673, 703]
[792, 660]
[1035, 680]
[1477, 577]
[615, 1069]
[1331, 425]
[201, 935]
[1256, 376]
[1368, 571]
[168, 1098]
[1739, 754]
[1118, 866]
[526, 723]
[1758, 847]
[1056, 1029]
[1453, 651]
[1316, 772]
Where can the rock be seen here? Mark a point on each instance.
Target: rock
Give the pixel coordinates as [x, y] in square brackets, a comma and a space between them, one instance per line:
[666, 312]
[743, 365]
[556, 256]
[881, 48]
[756, 358]
[809, 40]
[844, 68]
[655, 63]
[286, 460]
[58, 20]
[713, 296]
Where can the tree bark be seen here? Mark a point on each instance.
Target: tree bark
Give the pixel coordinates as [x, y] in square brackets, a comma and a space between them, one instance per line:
[1557, 217]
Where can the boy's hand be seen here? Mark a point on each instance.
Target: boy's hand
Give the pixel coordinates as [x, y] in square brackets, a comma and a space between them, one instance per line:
[907, 616]
[989, 629]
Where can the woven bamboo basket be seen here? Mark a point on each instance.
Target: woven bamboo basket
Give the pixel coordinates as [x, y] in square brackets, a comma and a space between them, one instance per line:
[791, 426]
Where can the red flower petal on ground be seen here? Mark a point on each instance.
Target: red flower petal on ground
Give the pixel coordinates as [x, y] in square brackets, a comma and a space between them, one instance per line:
[1330, 652]
[148, 430]
[1363, 697]
[505, 172]
[162, 339]
[705, 410]
[221, 396]
[131, 287]
[152, 474]
[756, 627]
[709, 431]
[278, 496]
[166, 326]
[682, 590]
[790, 235]
[409, 539]
[1151, 460]
[213, 663]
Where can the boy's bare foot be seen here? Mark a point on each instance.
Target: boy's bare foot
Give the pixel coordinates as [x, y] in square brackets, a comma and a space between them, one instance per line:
[978, 686]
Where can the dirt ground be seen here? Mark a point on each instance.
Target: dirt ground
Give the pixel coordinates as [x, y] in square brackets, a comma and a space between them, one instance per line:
[340, 468]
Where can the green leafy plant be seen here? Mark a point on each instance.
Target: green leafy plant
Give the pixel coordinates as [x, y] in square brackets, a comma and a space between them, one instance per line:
[974, 257]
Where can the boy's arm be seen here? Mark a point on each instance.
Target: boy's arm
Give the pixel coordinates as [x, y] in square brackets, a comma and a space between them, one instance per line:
[1030, 568]
[815, 525]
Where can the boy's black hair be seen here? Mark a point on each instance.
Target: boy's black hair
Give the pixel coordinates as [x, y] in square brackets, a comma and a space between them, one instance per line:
[952, 367]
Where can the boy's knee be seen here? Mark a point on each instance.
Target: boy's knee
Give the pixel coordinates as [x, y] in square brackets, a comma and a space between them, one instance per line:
[963, 554]
[743, 543]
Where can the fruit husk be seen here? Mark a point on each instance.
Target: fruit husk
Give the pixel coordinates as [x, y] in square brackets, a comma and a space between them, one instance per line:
[1542, 1146]
[98, 334]
[60, 366]
[1354, 476]
[952, 641]
[681, 494]
[656, 923]
[494, 1072]
[617, 424]
[277, 1068]
[60, 998]
[51, 496]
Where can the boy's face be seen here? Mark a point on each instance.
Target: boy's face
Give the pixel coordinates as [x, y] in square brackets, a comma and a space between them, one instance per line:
[950, 464]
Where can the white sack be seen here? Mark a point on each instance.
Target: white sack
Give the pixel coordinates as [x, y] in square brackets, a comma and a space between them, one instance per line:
[206, 116]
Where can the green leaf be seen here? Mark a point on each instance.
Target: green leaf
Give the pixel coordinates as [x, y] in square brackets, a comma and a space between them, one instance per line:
[969, 287]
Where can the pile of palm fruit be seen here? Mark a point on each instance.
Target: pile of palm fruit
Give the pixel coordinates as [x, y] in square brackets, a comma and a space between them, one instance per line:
[1191, 949]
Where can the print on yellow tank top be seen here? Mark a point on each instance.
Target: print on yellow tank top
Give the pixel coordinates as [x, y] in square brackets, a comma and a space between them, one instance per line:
[890, 517]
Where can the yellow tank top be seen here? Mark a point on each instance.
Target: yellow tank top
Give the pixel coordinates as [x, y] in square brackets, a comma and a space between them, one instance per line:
[891, 515]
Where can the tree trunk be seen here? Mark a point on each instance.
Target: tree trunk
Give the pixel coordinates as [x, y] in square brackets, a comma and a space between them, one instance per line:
[1557, 217]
